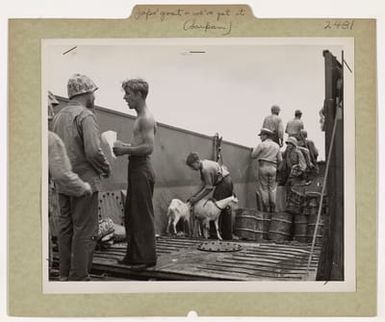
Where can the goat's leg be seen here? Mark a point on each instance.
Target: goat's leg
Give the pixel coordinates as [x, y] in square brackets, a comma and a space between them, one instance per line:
[197, 232]
[217, 229]
[206, 229]
[168, 226]
[188, 223]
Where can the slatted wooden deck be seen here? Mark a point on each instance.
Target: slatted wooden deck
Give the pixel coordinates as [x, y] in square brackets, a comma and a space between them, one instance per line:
[180, 259]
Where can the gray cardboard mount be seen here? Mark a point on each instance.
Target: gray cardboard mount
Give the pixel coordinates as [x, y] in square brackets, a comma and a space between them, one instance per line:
[25, 169]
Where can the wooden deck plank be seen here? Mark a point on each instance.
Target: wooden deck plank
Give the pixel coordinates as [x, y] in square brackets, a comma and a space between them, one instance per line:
[180, 259]
[257, 268]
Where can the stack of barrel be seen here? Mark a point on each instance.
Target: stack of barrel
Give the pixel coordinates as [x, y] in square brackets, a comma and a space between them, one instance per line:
[294, 219]
[282, 220]
[252, 224]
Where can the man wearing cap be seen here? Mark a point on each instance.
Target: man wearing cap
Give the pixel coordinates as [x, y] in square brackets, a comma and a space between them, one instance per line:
[295, 125]
[76, 125]
[269, 157]
[213, 177]
[139, 211]
[274, 123]
[294, 164]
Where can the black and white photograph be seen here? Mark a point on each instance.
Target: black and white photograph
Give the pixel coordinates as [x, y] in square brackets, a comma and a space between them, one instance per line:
[211, 164]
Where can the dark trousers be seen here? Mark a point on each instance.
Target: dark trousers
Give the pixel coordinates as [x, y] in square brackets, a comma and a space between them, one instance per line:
[139, 212]
[77, 232]
[223, 190]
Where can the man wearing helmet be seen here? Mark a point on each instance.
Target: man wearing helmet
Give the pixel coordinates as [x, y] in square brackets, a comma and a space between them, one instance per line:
[274, 123]
[76, 125]
[60, 172]
[139, 211]
[294, 164]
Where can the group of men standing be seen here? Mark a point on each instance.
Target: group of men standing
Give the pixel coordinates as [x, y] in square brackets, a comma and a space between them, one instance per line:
[78, 164]
[297, 164]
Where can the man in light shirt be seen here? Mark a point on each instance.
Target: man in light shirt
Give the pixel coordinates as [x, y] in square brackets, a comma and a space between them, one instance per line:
[274, 123]
[269, 158]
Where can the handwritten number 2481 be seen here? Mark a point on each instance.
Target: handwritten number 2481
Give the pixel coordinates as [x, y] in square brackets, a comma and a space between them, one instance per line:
[338, 24]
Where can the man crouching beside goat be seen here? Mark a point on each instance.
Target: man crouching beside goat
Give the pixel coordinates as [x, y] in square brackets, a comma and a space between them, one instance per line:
[214, 177]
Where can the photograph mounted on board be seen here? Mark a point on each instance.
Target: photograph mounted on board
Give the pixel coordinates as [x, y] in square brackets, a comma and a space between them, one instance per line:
[209, 160]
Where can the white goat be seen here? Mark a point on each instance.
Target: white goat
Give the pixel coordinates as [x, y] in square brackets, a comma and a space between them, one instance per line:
[177, 210]
[207, 210]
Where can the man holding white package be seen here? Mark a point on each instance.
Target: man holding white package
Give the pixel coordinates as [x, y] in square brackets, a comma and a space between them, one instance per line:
[139, 211]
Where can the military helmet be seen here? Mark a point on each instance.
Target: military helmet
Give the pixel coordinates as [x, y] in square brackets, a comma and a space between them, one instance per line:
[292, 140]
[80, 84]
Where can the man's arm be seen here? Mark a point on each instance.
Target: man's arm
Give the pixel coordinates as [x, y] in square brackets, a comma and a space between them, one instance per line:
[92, 149]
[147, 129]
[280, 131]
[255, 152]
[61, 171]
[313, 149]
[207, 187]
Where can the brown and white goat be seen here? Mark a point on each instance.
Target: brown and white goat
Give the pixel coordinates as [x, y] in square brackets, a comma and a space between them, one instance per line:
[205, 210]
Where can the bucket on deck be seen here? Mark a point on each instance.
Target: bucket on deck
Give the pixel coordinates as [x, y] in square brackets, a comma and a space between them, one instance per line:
[249, 224]
[280, 226]
[300, 228]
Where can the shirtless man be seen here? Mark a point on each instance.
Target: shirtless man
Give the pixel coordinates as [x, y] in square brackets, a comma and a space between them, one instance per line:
[139, 212]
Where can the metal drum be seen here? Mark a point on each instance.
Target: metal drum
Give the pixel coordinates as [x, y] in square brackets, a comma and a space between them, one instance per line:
[300, 228]
[312, 201]
[249, 224]
[280, 203]
[320, 231]
[294, 201]
[313, 206]
[280, 226]
[266, 224]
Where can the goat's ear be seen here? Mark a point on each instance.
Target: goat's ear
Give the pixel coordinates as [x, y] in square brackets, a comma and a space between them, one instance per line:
[234, 195]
